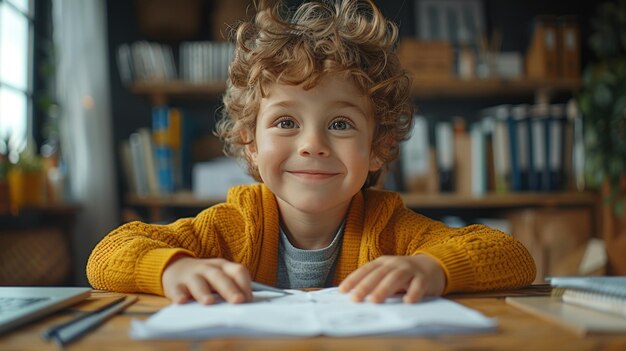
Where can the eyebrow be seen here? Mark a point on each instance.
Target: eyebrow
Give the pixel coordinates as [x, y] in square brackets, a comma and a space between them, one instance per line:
[338, 104]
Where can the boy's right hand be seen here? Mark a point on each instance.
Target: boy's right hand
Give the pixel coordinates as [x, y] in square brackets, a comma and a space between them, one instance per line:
[187, 278]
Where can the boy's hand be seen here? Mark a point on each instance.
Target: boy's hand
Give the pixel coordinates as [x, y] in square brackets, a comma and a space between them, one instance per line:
[188, 278]
[418, 276]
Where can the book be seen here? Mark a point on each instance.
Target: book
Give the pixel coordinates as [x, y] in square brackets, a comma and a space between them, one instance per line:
[415, 156]
[305, 314]
[147, 148]
[138, 164]
[462, 158]
[607, 294]
[163, 152]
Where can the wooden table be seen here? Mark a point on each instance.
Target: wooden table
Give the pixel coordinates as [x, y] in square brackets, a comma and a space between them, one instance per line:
[517, 331]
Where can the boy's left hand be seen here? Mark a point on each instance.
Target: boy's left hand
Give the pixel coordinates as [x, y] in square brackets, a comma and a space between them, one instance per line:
[385, 276]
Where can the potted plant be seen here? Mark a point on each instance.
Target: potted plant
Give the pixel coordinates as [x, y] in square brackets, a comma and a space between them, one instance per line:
[26, 182]
[603, 104]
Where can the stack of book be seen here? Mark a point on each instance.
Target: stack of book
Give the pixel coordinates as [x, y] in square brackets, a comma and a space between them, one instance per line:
[592, 304]
[153, 159]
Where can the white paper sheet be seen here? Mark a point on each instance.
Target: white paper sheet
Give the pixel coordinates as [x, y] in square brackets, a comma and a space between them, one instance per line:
[322, 312]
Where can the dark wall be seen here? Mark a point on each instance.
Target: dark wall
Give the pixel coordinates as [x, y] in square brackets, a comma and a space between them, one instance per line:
[513, 17]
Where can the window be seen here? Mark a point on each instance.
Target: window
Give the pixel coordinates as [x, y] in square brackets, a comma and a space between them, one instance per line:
[16, 73]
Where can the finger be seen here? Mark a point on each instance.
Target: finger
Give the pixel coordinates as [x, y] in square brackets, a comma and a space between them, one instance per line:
[416, 290]
[241, 277]
[356, 276]
[224, 285]
[200, 289]
[369, 283]
[180, 294]
[392, 282]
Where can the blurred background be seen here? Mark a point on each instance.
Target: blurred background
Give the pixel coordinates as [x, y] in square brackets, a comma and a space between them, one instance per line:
[107, 110]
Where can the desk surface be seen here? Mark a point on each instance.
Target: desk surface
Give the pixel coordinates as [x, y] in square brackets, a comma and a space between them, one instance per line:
[517, 330]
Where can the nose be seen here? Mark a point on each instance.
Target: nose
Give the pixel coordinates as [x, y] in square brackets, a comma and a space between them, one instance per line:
[313, 143]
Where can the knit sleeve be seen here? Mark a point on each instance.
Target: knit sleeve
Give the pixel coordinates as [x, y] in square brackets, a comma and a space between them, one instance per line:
[474, 258]
[132, 257]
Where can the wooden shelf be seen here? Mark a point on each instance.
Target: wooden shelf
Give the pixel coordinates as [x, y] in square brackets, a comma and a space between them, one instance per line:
[458, 88]
[65, 208]
[416, 201]
[161, 91]
[524, 199]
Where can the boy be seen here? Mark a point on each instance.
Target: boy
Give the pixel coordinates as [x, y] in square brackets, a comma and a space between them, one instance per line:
[316, 104]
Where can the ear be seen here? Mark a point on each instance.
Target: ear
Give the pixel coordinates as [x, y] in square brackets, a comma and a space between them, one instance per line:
[375, 163]
[251, 152]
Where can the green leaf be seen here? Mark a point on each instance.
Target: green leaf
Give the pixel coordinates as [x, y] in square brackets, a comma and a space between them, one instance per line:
[602, 96]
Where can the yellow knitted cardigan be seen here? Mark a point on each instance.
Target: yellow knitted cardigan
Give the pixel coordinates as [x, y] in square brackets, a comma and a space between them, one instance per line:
[245, 229]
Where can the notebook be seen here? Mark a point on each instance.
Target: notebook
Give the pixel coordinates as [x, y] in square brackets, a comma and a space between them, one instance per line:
[304, 314]
[611, 285]
[602, 293]
[20, 305]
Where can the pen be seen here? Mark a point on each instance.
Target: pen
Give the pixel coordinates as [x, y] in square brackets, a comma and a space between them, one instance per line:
[67, 332]
[262, 287]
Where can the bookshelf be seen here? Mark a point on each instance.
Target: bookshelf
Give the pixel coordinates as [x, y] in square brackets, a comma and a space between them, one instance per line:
[445, 93]
[161, 91]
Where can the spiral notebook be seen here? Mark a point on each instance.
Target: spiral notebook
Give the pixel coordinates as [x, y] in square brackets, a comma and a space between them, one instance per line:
[602, 293]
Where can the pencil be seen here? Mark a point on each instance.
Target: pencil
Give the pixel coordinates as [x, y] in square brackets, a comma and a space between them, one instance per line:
[262, 287]
[68, 332]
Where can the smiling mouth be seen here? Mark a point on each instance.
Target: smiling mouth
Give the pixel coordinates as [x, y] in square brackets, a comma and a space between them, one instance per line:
[313, 174]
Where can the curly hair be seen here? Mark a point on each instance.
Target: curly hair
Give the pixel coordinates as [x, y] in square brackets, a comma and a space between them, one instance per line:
[299, 47]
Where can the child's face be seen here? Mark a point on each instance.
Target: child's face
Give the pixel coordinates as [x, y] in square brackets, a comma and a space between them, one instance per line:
[313, 147]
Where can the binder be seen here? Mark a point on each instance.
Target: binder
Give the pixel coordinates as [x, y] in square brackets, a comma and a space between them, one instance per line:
[501, 150]
[514, 147]
[445, 155]
[541, 145]
[523, 146]
[478, 159]
[557, 125]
